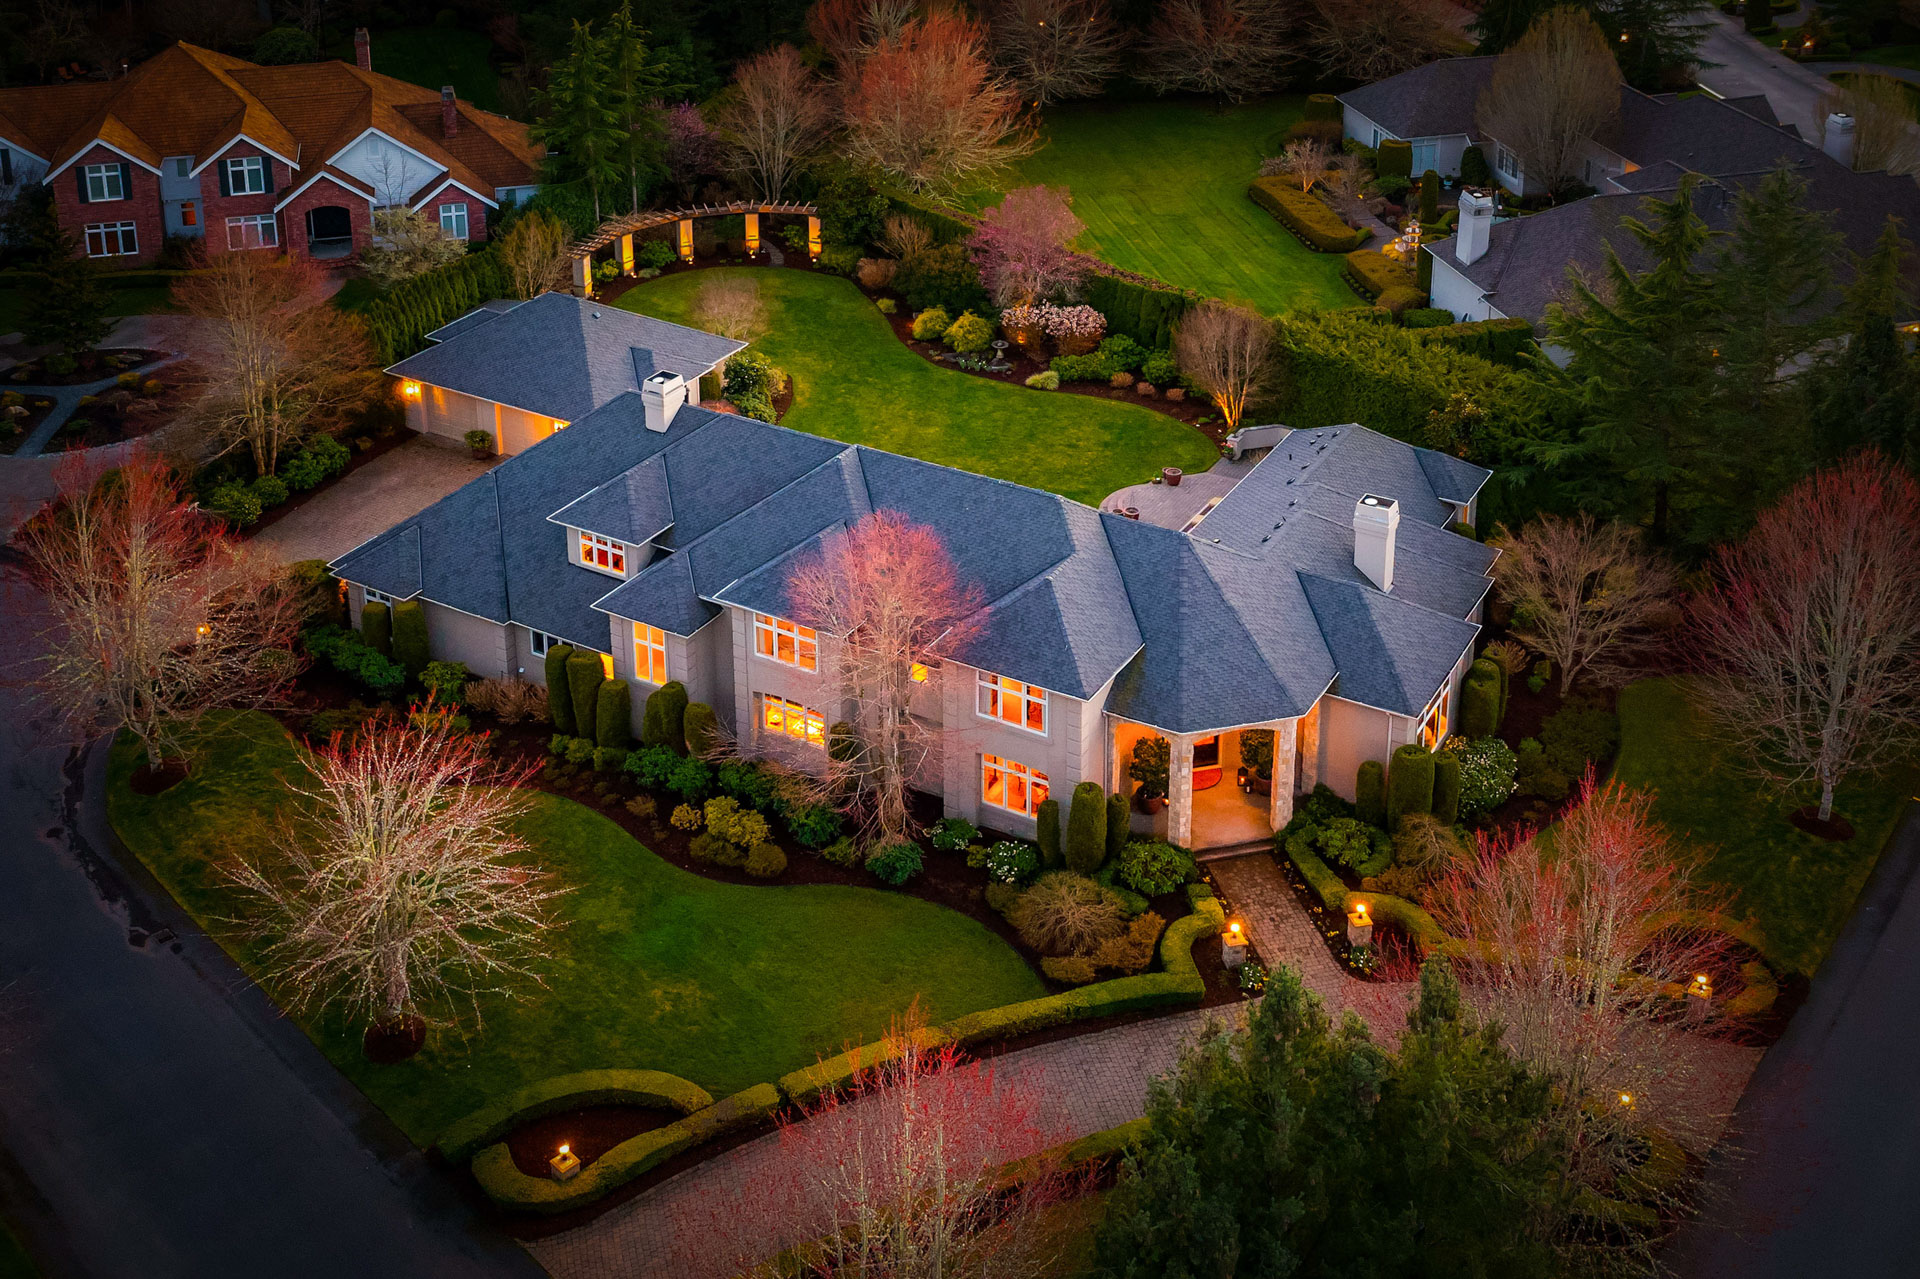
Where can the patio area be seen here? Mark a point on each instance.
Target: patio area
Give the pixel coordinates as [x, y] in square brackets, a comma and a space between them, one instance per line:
[1180, 506]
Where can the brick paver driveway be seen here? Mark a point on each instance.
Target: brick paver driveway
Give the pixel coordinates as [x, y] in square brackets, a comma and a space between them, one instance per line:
[399, 483]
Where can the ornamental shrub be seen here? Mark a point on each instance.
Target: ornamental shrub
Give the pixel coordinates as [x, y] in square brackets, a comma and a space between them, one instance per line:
[1012, 862]
[302, 471]
[1078, 368]
[376, 627]
[896, 863]
[1536, 776]
[1119, 820]
[931, 324]
[1425, 317]
[1365, 850]
[410, 637]
[813, 825]
[446, 682]
[766, 861]
[1069, 970]
[1044, 380]
[842, 852]
[1376, 272]
[613, 716]
[1487, 768]
[1133, 950]
[579, 751]
[583, 687]
[1121, 354]
[1480, 699]
[1160, 368]
[1401, 298]
[841, 259]
[748, 781]
[1087, 828]
[664, 720]
[1310, 220]
[651, 766]
[1322, 106]
[709, 847]
[750, 382]
[1410, 783]
[969, 333]
[1370, 793]
[943, 276]
[1395, 159]
[1046, 830]
[653, 255]
[607, 759]
[349, 653]
[559, 700]
[736, 825]
[1446, 787]
[1065, 914]
[700, 727]
[1578, 734]
[953, 834]
[271, 490]
[690, 778]
[1151, 867]
[687, 817]
[1151, 766]
[1474, 169]
[235, 503]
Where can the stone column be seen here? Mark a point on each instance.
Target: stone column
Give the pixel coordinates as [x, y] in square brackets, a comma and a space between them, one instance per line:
[813, 238]
[1180, 790]
[1280, 810]
[686, 239]
[626, 254]
[583, 277]
[1310, 750]
[753, 234]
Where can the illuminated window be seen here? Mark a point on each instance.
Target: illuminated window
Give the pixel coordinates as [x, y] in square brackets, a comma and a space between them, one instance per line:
[784, 641]
[256, 231]
[247, 175]
[105, 182]
[379, 597]
[1023, 705]
[602, 553]
[780, 716]
[453, 221]
[649, 653]
[606, 666]
[189, 213]
[1012, 786]
[1433, 720]
[112, 239]
[540, 642]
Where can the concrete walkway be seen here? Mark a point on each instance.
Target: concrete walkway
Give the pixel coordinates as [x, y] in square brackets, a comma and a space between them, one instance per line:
[67, 398]
[401, 482]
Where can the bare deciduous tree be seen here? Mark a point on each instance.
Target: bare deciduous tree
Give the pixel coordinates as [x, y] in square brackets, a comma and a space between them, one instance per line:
[905, 236]
[1345, 185]
[850, 30]
[1055, 49]
[1812, 635]
[1304, 161]
[402, 882]
[1373, 39]
[1885, 137]
[274, 361]
[1023, 246]
[1232, 48]
[1551, 92]
[885, 598]
[1584, 594]
[773, 118]
[408, 242]
[926, 107]
[1228, 350]
[156, 615]
[534, 251]
[730, 306]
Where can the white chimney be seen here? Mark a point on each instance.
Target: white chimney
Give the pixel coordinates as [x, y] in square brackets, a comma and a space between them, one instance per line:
[1376, 523]
[1836, 137]
[1476, 225]
[663, 394]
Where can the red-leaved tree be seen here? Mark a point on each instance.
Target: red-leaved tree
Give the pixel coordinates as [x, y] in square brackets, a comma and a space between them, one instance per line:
[885, 598]
[1811, 635]
[156, 615]
[1023, 246]
[849, 30]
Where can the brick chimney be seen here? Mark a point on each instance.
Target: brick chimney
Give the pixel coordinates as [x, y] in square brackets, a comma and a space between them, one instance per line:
[362, 49]
[449, 117]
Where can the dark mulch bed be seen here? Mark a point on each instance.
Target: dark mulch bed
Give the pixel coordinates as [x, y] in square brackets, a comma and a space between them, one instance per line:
[15, 430]
[589, 1132]
[119, 414]
[1835, 829]
[94, 365]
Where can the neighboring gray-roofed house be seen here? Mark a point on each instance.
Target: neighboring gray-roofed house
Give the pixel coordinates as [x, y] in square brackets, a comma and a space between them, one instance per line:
[1430, 107]
[670, 552]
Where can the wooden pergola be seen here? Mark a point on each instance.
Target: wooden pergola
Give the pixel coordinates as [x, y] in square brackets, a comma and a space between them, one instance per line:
[622, 230]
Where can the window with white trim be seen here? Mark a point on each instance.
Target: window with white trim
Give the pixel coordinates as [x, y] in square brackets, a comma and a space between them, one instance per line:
[255, 231]
[1010, 785]
[1425, 154]
[1507, 162]
[649, 654]
[1022, 705]
[378, 597]
[603, 553]
[104, 182]
[112, 239]
[539, 642]
[780, 717]
[247, 175]
[779, 640]
[1433, 720]
[453, 221]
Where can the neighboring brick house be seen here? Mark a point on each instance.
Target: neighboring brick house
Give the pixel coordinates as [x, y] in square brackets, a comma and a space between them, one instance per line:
[198, 144]
[1324, 598]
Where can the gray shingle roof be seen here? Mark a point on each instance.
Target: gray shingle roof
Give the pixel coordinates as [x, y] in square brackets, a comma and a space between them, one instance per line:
[561, 356]
[1435, 100]
[485, 313]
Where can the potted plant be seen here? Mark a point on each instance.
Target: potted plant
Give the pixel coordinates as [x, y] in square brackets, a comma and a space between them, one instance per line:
[1256, 760]
[1151, 766]
[481, 442]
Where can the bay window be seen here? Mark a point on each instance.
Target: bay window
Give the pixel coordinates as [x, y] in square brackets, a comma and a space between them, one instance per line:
[1433, 720]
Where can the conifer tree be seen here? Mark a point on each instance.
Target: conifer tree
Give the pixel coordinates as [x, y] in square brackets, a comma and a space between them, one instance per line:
[1869, 395]
[64, 303]
[636, 83]
[577, 120]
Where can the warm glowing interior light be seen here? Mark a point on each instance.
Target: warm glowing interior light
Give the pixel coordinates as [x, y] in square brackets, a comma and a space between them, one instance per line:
[917, 673]
[410, 389]
[606, 665]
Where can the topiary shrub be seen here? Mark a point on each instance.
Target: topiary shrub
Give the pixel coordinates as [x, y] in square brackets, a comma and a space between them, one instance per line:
[1446, 787]
[1487, 768]
[446, 682]
[376, 627]
[1474, 170]
[1410, 783]
[1480, 700]
[931, 324]
[1429, 198]
[700, 727]
[559, 700]
[1046, 822]
[1065, 914]
[664, 721]
[896, 863]
[1370, 793]
[584, 675]
[1151, 867]
[613, 715]
[1322, 107]
[1152, 766]
[1087, 829]
[410, 647]
[765, 861]
[969, 333]
[1119, 821]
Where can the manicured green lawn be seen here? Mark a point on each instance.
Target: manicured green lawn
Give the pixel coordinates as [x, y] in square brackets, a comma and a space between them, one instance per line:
[434, 56]
[854, 381]
[727, 985]
[145, 300]
[1800, 889]
[1162, 187]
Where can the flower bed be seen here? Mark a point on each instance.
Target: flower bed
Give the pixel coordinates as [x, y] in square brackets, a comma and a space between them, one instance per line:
[95, 365]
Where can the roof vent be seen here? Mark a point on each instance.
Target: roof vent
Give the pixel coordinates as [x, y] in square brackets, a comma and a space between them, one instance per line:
[1376, 526]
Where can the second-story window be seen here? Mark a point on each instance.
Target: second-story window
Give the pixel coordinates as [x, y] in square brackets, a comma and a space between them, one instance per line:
[105, 182]
[785, 641]
[649, 654]
[602, 553]
[1023, 705]
[247, 175]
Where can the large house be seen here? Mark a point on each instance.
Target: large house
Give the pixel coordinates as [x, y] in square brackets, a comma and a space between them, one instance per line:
[197, 144]
[1497, 266]
[1323, 597]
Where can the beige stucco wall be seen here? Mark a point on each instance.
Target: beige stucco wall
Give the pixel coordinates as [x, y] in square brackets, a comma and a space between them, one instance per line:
[1069, 752]
[453, 636]
[450, 415]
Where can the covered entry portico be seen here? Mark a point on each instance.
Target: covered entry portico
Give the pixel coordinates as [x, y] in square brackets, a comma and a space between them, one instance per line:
[1208, 806]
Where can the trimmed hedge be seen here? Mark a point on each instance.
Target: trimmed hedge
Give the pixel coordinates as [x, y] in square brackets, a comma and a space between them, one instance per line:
[804, 1085]
[559, 699]
[493, 1121]
[1446, 787]
[410, 647]
[1046, 831]
[507, 1186]
[1143, 312]
[376, 627]
[1480, 699]
[1370, 793]
[700, 728]
[583, 686]
[664, 721]
[1322, 106]
[1119, 825]
[1410, 784]
[1503, 341]
[399, 320]
[1087, 828]
[1395, 159]
[1318, 226]
[613, 716]
[1374, 273]
[1401, 298]
[1384, 907]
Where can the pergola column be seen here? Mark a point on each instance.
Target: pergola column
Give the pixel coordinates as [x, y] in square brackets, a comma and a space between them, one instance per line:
[686, 240]
[626, 254]
[1180, 789]
[583, 276]
[753, 234]
[813, 238]
[1280, 808]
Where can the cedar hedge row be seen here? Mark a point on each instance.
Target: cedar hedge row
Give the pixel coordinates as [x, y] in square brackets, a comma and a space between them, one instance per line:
[410, 645]
[613, 715]
[1142, 312]
[559, 698]
[493, 1121]
[1374, 273]
[1503, 341]
[1318, 226]
[376, 627]
[1410, 783]
[399, 320]
[583, 686]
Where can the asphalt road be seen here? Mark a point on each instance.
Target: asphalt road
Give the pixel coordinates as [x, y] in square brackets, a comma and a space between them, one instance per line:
[1822, 1169]
[1748, 67]
[157, 1116]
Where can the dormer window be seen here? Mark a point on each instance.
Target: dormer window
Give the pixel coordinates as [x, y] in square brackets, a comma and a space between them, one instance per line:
[604, 554]
[786, 642]
[1008, 700]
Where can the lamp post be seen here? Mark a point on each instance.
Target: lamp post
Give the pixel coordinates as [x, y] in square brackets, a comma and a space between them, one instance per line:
[1699, 997]
[1233, 943]
[565, 1165]
[1359, 925]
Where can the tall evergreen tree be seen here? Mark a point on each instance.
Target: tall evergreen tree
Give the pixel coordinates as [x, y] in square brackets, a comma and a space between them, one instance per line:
[636, 83]
[1661, 35]
[576, 119]
[64, 303]
[1642, 362]
[1869, 395]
